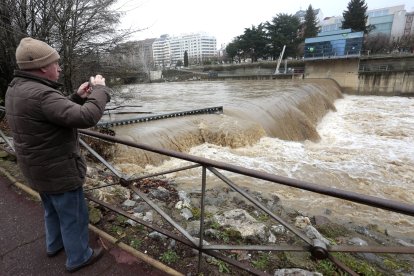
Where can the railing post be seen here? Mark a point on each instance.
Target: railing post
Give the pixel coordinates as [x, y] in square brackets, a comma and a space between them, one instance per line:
[203, 195]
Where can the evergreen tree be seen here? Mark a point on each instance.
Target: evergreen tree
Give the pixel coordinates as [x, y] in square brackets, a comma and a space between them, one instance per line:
[310, 25]
[283, 30]
[355, 17]
[185, 59]
[253, 42]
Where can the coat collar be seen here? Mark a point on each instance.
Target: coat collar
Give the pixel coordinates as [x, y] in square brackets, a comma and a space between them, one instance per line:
[27, 75]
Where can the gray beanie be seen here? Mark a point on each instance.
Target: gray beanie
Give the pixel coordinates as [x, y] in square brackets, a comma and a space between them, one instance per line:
[34, 54]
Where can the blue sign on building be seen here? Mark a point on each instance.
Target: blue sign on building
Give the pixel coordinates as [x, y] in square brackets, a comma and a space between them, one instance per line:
[334, 44]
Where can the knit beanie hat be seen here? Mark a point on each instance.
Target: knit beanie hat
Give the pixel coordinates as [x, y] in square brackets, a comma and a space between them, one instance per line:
[34, 54]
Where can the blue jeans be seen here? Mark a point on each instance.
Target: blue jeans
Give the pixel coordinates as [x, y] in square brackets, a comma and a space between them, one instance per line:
[66, 221]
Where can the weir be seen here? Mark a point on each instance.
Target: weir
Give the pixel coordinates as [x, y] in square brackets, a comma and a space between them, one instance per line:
[289, 115]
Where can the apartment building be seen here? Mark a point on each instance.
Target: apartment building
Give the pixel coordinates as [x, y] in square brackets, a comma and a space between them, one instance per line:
[409, 24]
[168, 51]
[162, 52]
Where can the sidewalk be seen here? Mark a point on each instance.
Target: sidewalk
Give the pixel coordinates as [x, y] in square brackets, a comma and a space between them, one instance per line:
[22, 243]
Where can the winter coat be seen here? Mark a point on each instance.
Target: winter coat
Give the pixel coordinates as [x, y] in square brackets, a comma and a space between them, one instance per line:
[44, 126]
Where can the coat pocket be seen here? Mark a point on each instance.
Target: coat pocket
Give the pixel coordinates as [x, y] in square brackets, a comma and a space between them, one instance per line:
[80, 165]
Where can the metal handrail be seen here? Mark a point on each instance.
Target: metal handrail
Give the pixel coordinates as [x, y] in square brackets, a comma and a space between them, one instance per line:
[386, 204]
[317, 248]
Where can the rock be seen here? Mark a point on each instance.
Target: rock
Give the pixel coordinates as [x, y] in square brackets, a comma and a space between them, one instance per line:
[180, 205]
[404, 243]
[272, 238]
[278, 229]
[157, 236]
[182, 195]
[234, 216]
[364, 231]
[172, 244]
[216, 201]
[160, 193]
[321, 220]
[136, 197]
[211, 209]
[312, 233]
[131, 222]
[211, 233]
[186, 213]
[358, 241]
[243, 222]
[295, 272]
[146, 216]
[238, 200]
[141, 207]
[193, 228]
[128, 203]
[301, 222]
[195, 202]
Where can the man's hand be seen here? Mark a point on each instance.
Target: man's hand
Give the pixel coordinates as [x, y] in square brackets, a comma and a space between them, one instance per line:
[84, 90]
[98, 79]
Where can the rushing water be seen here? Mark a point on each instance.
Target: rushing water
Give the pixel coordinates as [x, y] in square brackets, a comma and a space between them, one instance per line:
[300, 129]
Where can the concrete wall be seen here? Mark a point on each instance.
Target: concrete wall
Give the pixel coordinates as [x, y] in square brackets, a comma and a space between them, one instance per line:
[386, 83]
[388, 76]
[344, 71]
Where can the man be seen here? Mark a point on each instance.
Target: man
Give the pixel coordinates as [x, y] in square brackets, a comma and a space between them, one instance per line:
[44, 126]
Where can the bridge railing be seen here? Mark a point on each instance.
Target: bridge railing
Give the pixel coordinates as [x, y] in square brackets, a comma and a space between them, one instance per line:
[316, 247]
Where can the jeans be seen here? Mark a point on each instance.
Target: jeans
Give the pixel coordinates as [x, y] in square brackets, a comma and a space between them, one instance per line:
[66, 222]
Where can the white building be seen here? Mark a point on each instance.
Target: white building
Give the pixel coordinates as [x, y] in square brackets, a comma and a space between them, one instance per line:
[389, 21]
[302, 13]
[162, 52]
[168, 51]
[409, 24]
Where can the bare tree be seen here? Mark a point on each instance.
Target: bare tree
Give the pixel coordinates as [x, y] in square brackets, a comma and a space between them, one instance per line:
[81, 30]
[83, 27]
[377, 44]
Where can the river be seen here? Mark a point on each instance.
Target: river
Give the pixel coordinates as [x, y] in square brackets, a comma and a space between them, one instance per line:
[302, 129]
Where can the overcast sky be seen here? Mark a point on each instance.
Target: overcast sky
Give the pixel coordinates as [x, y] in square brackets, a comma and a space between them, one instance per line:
[224, 19]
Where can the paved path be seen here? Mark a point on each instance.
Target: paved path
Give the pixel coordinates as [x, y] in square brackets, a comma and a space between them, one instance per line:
[22, 243]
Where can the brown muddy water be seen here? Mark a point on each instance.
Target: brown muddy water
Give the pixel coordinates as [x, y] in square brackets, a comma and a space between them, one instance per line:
[304, 129]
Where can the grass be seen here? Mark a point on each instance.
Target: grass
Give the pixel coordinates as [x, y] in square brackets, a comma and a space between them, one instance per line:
[169, 257]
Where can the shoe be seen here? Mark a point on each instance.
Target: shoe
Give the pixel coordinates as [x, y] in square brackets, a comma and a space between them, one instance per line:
[96, 255]
[52, 254]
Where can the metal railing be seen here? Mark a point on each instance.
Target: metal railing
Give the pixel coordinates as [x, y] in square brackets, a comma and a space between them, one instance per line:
[317, 248]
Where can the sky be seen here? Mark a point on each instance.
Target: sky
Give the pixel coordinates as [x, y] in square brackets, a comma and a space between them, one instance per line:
[223, 19]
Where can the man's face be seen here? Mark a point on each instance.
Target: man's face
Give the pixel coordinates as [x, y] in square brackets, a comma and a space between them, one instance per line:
[52, 71]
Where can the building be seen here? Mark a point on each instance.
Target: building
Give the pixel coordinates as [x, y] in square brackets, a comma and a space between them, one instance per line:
[389, 21]
[168, 51]
[334, 44]
[332, 23]
[302, 13]
[409, 24]
[162, 52]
